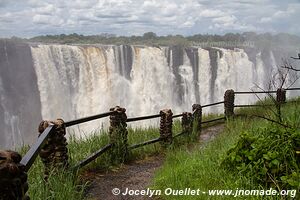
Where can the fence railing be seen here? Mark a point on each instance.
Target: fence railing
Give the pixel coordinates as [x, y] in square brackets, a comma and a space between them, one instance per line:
[31, 155]
[87, 119]
[51, 144]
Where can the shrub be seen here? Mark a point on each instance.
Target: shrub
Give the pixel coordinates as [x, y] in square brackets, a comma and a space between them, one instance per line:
[268, 156]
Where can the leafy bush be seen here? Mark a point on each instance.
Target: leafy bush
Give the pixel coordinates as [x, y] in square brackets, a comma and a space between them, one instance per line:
[268, 155]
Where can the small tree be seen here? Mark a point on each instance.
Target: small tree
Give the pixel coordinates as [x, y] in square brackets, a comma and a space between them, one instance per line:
[149, 35]
[270, 155]
[284, 78]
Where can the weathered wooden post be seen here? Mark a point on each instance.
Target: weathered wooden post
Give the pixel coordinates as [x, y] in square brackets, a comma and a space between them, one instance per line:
[54, 154]
[229, 103]
[165, 130]
[197, 117]
[280, 99]
[118, 135]
[186, 122]
[281, 96]
[13, 178]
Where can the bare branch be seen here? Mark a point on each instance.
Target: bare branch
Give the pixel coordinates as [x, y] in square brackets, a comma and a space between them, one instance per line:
[262, 101]
[291, 68]
[262, 117]
[287, 65]
[296, 58]
[293, 82]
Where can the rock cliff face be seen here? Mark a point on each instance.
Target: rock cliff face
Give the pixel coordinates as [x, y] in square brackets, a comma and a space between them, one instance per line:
[72, 81]
[20, 108]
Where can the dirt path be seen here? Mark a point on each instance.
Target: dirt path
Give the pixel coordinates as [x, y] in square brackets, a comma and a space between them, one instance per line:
[135, 176]
[210, 133]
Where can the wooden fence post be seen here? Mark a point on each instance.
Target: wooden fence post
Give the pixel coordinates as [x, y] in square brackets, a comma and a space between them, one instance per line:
[118, 135]
[197, 116]
[186, 122]
[13, 178]
[281, 96]
[229, 103]
[166, 122]
[54, 153]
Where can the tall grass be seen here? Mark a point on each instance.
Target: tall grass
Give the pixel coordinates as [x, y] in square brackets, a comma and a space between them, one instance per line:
[200, 168]
[65, 184]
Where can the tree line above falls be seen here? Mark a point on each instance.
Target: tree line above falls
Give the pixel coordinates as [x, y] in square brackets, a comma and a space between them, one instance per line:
[152, 39]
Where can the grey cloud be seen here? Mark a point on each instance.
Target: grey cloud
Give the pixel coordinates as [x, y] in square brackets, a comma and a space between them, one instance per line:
[141, 22]
[48, 9]
[3, 3]
[33, 17]
[111, 16]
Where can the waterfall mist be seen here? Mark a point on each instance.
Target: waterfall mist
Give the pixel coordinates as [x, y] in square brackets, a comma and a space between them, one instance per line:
[48, 81]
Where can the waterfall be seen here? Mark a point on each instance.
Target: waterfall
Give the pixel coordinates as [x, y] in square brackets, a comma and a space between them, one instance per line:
[78, 81]
[187, 83]
[234, 72]
[75, 81]
[204, 78]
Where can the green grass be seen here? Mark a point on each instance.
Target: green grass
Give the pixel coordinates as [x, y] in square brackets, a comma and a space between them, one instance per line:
[181, 166]
[66, 185]
[200, 168]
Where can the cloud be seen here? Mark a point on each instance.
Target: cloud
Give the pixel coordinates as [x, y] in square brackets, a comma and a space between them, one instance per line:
[32, 17]
[3, 3]
[48, 9]
[6, 18]
[211, 13]
[225, 20]
[283, 19]
[47, 20]
[265, 19]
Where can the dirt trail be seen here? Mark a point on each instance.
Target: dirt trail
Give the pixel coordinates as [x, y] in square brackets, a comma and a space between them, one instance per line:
[210, 133]
[134, 176]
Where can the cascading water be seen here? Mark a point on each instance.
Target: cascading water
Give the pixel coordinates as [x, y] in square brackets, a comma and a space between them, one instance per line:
[152, 82]
[205, 76]
[235, 71]
[187, 83]
[77, 81]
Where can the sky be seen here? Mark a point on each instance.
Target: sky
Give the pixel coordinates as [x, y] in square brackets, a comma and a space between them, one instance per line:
[28, 18]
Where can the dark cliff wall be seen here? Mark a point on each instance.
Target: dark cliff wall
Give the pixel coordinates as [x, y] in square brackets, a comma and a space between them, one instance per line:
[192, 54]
[20, 95]
[176, 52]
[124, 58]
[214, 54]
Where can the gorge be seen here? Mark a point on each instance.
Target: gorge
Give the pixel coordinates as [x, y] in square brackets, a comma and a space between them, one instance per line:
[49, 81]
